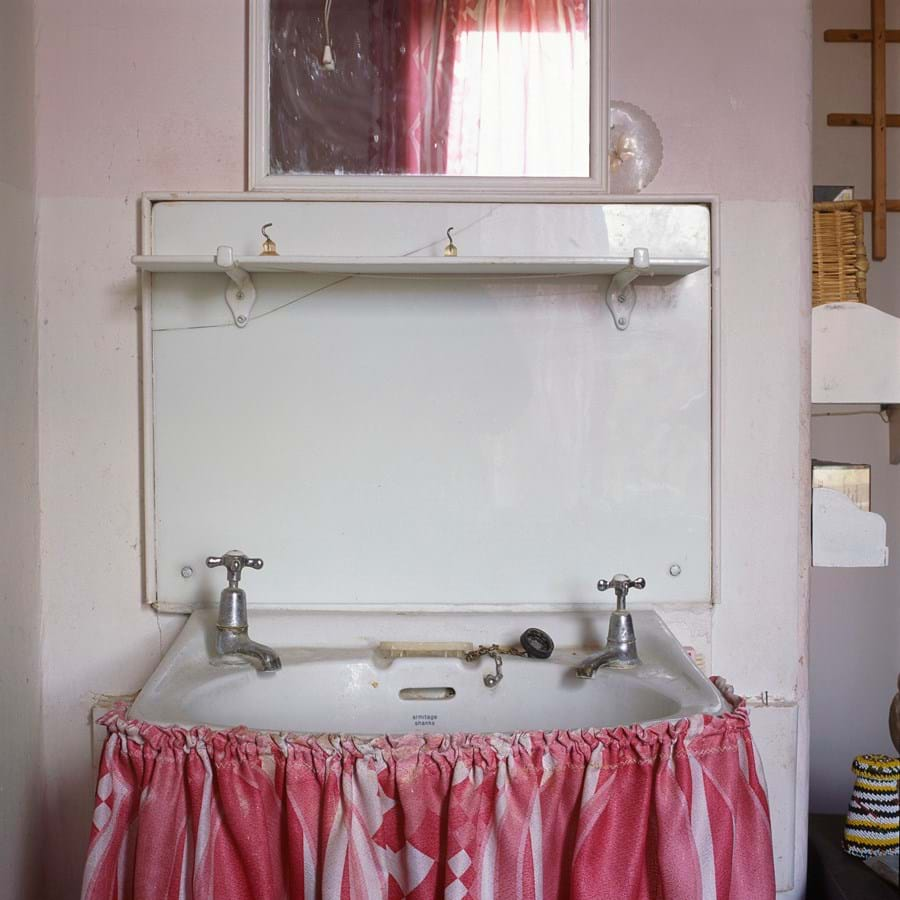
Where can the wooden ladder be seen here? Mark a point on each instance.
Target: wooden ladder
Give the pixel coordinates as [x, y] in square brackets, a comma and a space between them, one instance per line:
[877, 120]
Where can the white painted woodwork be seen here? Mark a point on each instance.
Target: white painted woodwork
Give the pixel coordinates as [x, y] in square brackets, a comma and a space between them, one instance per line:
[845, 536]
[775, 730]
[855, 354]
[423, 442]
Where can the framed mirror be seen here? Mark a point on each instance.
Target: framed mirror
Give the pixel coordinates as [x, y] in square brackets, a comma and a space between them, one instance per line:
[429, 97]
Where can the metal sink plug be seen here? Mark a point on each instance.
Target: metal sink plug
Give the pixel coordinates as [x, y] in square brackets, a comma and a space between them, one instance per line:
[620, 651]
[232, 638]
[534, 643]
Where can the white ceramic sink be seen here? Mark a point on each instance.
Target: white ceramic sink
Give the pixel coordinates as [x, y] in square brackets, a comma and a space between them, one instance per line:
[334, 680]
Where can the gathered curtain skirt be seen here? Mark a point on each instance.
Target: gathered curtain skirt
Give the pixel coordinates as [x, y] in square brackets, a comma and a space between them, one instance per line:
[676, 810]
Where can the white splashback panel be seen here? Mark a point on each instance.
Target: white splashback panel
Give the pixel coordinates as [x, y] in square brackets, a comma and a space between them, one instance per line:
[417, 442]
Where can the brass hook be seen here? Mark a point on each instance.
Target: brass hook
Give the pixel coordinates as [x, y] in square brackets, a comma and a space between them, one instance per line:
[268, 247]
[450, 249]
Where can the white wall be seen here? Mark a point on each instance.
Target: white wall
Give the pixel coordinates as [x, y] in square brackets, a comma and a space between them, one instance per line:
[158, 104]
[20, 684]
[854, 613]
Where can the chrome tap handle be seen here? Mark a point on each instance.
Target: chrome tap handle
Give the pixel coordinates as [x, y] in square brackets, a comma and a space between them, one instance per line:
[234, 561]
[621, 584]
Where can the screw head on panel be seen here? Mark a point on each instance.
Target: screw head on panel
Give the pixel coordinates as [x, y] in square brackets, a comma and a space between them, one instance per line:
[674, 570]
[241, 320]
[186, 571]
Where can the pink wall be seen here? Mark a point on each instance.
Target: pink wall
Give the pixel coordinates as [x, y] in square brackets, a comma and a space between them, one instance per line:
[20, 683]
[132, 96]
[137, 96]
[725, 82]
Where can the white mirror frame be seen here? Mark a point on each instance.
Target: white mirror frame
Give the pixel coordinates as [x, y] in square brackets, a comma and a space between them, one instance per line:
[424, 187]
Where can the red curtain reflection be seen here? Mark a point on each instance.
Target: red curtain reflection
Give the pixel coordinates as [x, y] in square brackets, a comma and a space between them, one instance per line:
[488, 87]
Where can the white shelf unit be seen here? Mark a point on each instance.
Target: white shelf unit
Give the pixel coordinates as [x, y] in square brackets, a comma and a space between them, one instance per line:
[855, 355]
[855, 362]
[240, 294]
[845, 536]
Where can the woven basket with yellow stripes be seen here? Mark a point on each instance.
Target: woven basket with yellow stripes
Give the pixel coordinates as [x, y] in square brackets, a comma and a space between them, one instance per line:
[872, 827]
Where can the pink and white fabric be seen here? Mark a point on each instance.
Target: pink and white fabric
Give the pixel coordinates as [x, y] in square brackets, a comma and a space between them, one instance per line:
[482, 87]
[677, 810]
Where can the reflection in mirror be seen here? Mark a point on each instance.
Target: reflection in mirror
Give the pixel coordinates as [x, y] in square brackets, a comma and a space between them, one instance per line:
[429, 87]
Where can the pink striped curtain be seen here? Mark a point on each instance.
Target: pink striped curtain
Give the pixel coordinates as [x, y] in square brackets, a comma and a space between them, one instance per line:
[519, 97]
[677, 810]
[484, 87]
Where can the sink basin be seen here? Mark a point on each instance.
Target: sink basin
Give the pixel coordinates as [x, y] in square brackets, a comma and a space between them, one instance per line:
[335, 680]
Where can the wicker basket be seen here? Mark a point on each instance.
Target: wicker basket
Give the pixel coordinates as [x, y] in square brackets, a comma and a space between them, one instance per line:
[839, 253]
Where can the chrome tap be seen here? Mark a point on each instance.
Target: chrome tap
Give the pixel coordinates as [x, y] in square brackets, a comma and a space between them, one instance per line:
[620, 651]
[232, 638]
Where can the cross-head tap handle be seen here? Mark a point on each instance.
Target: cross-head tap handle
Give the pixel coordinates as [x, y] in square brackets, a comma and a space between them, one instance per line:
[234, 561]
[621, 584]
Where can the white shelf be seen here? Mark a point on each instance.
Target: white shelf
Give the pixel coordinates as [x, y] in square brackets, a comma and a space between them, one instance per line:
[845, 536]
[421, 265]
[240, 294]
[855, 355]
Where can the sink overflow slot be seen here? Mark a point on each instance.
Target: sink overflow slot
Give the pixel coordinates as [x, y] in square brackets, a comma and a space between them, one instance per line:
[427, 693]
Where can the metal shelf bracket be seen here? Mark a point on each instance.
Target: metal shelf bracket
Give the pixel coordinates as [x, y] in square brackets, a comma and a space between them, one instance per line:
[240, 295]
[620, 295]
